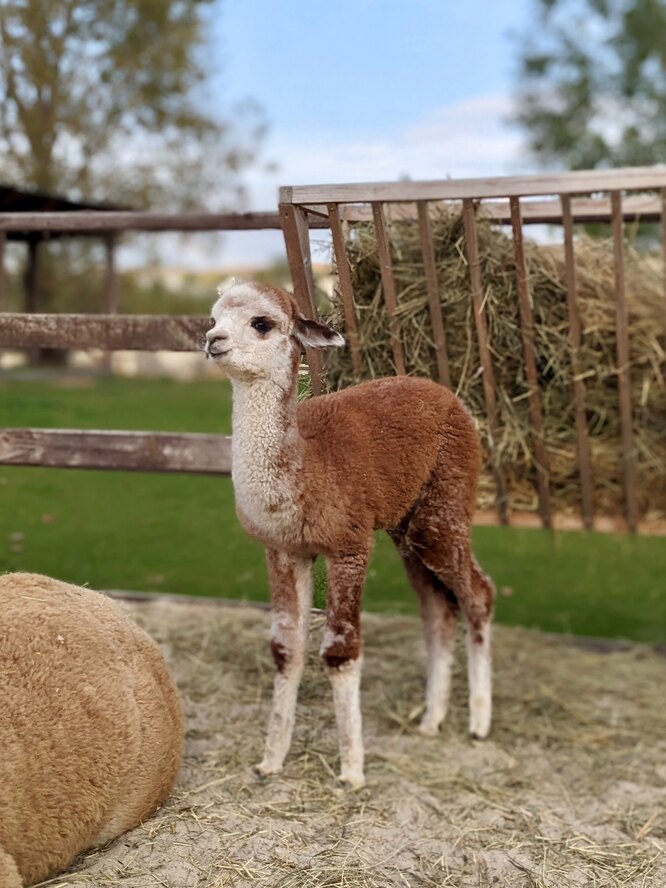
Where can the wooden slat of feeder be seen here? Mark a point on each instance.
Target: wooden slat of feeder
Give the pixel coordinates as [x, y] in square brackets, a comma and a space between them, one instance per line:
[576, 182]
[297, 243]
[345, 284]
[534, 395]
[436, 316]
[623, 376]
[126, 451]
[566, 521]
[579, 393]
[637, 207]
[488, 377]
[388, 287]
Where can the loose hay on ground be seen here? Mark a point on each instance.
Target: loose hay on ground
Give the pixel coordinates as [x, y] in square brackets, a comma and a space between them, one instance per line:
[569, 791]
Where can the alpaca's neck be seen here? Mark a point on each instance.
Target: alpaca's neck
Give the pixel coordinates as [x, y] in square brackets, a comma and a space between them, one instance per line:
[264, 423]
[266, 451]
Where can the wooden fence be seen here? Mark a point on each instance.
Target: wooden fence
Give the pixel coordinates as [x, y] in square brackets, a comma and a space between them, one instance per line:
[611, 196]
[127, 451]
[564, 199]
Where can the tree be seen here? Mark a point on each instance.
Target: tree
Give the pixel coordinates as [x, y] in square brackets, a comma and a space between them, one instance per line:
[592, 82]
[103, 99]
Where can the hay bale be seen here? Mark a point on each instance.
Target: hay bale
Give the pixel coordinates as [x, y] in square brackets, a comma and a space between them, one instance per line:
[546, 271]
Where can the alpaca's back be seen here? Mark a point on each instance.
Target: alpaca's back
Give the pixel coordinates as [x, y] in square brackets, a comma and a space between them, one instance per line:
[90, 723]
[380, 442]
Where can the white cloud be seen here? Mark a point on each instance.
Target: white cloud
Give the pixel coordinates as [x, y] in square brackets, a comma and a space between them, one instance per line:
[468, 138]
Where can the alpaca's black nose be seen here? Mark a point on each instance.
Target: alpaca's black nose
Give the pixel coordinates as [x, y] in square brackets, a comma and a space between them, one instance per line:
[215, 345]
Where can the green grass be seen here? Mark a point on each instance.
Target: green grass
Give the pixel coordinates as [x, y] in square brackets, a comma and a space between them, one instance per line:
[178, 533]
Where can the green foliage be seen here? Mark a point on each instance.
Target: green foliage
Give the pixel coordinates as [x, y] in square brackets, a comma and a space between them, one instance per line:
[591, 83]
[179, 533]
[104, 99]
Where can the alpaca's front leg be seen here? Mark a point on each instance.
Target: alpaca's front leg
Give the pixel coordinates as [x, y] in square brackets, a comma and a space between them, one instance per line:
[291, 601]
[341, 651]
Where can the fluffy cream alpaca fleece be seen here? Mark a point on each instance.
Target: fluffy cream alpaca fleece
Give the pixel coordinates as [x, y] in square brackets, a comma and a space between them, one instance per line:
[91, 731]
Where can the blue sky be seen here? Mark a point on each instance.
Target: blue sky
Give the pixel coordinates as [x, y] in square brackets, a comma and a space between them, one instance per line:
[361, 90]
[356, 66]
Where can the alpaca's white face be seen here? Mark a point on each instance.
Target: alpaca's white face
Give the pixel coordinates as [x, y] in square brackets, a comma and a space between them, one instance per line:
[251, 334]
[256, 331]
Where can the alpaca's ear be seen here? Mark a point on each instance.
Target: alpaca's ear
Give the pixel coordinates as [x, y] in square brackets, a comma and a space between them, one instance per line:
[313, 334]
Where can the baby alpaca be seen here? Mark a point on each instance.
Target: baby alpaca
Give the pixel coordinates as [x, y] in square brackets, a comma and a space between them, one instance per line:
[91, 731]
[317, 478]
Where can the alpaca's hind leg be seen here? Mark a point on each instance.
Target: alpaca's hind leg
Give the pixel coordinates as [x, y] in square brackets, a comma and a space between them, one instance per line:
[478, 614]
[443, 546]
[341, 651]
[438, 611]
[291, 601]
[475, 593]
[439, 626]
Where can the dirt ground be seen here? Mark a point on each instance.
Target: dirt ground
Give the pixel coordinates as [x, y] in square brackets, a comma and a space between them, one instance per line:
[569, 791]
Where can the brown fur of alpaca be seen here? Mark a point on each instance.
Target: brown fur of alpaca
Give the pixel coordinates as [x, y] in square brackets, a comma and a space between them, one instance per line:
[91, 730]
[374, 449]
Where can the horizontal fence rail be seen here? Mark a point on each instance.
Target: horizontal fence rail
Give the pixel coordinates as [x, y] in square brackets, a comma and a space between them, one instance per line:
[191, 454]
[613, 198]
[108, 332]
[644, 208]
[124, 451]
[100, 222]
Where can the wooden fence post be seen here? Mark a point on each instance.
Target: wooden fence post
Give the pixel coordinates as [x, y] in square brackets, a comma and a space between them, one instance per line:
[3, 277]
[110, 290]
[31, 289]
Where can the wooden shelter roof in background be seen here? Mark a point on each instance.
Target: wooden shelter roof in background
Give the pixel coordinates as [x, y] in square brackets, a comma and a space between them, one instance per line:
[17, 200]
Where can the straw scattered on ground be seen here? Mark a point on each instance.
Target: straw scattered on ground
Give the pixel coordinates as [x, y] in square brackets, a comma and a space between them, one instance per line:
[570, 790]
[597, 363]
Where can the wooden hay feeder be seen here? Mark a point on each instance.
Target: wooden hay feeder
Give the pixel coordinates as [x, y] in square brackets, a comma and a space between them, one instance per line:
[557, 350]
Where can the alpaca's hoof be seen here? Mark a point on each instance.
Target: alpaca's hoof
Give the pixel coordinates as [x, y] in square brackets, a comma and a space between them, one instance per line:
[474, 735]
[479, 731]
[264, 770]
[428, 729]
[352, 779]
[480, 713]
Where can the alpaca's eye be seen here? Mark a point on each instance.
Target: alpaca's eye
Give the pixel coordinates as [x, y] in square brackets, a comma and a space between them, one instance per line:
[262, 325]
[211, 321]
